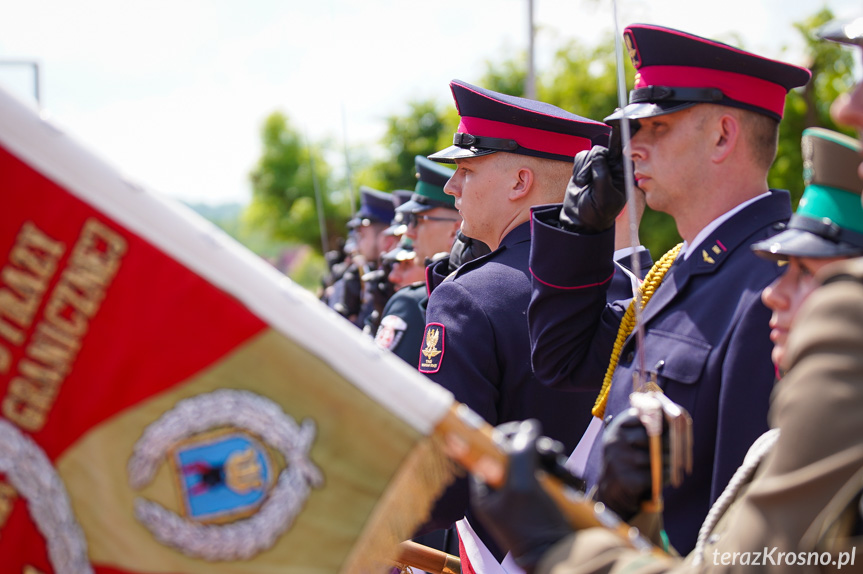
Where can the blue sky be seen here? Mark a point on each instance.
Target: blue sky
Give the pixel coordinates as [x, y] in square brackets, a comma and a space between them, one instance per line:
[174, 92]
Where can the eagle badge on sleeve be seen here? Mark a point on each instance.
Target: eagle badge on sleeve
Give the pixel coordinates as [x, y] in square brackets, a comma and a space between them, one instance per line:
[431, 353]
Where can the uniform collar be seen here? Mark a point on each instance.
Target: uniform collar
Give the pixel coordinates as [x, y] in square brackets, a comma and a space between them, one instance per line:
[519, 234]
[710, 227]
[736, 229]
[436, 273]
[717, 246]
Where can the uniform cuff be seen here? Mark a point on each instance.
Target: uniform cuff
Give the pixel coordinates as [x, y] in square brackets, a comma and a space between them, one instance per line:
[566, 259]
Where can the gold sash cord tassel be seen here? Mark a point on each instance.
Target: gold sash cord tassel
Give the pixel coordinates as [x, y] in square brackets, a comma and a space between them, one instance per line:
[627, 324]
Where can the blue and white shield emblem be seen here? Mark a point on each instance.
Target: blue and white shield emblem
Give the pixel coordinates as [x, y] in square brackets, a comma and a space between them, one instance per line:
[223, 476]
[236, 500]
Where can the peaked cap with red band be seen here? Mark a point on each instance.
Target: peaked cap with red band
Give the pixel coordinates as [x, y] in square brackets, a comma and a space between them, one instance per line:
[492, 122]
[676, 70]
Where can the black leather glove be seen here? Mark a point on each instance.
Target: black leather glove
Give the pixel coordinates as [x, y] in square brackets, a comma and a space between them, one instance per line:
[625, 480]
[520, 515]
[597, 191]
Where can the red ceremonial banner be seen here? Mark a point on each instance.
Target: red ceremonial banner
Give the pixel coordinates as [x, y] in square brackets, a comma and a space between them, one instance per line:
[170, 402]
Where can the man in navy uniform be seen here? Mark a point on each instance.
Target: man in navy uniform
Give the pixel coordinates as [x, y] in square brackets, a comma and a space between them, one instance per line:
[368, 226]
[511, 154]
[795, 502]
[431, 225]
[377, 286]
[403, 319]
[705, 120]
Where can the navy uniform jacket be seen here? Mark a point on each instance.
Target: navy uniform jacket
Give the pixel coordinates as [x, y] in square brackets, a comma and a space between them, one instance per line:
[480, 310]
[402, 322]
[706, 340]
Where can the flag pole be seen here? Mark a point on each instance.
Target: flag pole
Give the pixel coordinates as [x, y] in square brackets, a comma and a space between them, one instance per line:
[319, 202]
[651, 409]
[467, 439]
[625, 138]
[472, 442]
[429, 559]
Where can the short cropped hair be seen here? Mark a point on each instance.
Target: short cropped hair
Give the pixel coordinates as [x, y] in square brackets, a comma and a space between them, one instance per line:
[552, 175]
[761, 133]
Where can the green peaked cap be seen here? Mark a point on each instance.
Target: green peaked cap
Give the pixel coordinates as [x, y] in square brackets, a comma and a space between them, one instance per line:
[829, 218]
[429, 193]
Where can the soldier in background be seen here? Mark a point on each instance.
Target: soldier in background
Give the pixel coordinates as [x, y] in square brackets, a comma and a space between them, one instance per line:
[404, 270]
[377, 287]
[432, 222]
[367, 227]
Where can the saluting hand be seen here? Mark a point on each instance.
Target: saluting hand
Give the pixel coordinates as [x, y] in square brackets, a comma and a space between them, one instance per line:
[596, 192]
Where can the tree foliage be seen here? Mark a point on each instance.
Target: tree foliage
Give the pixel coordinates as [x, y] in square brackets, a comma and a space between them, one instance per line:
[580, 79]
[832, 74]
[416, 133]
[284, 187]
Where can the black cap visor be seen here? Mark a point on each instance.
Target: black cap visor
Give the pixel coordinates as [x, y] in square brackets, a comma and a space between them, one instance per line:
[650, 101]
[414, 206]
[454, 152]
[396, 229]
[800, 243]
[646, 110]
[363, 221]
[399, 253]
[469, 145]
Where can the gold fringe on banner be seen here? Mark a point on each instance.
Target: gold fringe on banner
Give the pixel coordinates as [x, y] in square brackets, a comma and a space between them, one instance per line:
[406, 504]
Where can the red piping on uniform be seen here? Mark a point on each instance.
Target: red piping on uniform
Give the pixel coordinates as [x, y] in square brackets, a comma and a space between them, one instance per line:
[531, 138]
[578, 287]
[739, 87]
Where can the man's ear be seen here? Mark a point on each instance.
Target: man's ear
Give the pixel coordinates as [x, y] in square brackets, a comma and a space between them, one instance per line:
[522, 183]
[727, 136]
